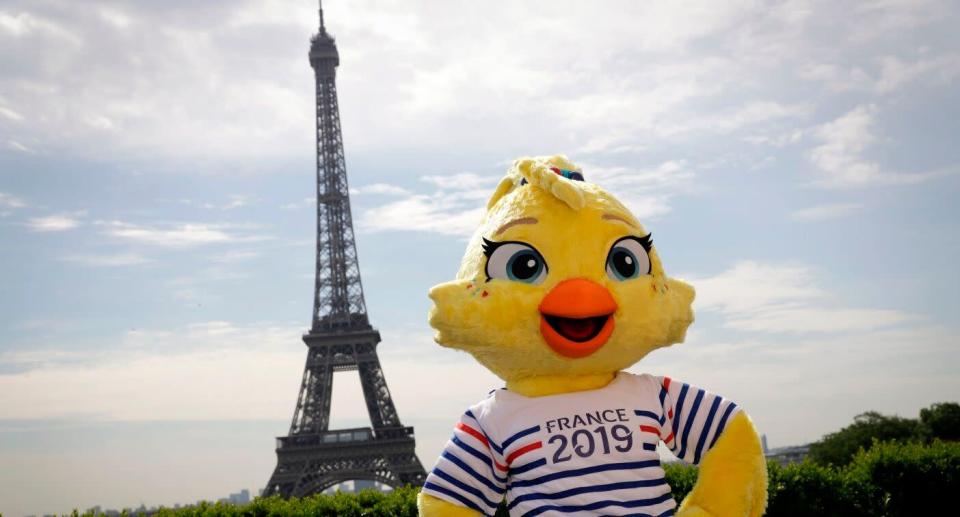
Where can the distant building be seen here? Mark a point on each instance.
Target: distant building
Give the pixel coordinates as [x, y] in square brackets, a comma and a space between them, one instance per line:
[363, 484]
[241, 497]
[785, 455]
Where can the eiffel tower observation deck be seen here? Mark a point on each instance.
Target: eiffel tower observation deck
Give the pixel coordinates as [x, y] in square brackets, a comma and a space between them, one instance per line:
[313, 457]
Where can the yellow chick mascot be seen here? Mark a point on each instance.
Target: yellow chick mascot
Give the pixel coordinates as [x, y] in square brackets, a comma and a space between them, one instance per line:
[559, 291]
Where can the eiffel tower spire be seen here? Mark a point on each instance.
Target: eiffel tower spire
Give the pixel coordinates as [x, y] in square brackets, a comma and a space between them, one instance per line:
[312, 457]
[322, 28]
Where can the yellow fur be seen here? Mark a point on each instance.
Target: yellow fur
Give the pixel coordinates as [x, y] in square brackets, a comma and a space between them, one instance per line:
[733, 475]
[498, 321]
[431, 506]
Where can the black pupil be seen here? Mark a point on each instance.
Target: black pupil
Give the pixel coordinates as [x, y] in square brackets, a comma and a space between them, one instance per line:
[624, 263]
[524, 266]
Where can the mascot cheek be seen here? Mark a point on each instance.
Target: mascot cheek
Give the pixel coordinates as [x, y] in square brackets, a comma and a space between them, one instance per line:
[679, 298]
[656, 312]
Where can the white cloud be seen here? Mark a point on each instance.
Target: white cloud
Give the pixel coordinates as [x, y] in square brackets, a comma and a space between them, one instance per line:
[207, 371]
[53, 223]
[10, 114]
[17, 146]
[26, 24]
[10, 202]
[379, 188]
[892, 73]
[236, 201]
[841, 155]
[459, 204]
[435, 214]
[825, 212]
[454, 208]
[182, 235]
[118, 260]
[896, 73]
[760, 297]
[235, 256]
[645, 191]
[637, 77]
[303, 203]
[462, 181]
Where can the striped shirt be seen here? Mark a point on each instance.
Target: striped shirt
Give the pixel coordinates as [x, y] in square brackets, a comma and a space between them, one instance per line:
[581, 453]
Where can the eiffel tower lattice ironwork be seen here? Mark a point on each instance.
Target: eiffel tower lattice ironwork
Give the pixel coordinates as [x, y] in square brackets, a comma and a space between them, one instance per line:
[313, 457]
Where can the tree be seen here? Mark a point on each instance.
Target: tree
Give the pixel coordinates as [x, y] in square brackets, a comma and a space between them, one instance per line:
[838, 448]
[943, 420]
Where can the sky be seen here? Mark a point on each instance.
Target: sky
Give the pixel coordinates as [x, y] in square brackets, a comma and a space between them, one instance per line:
[796, 161]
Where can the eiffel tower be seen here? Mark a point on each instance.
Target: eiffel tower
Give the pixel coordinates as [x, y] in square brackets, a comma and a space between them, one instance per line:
[313, 457]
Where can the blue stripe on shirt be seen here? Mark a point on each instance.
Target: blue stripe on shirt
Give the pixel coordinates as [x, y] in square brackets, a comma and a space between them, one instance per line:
[678, 411]
[600, 504]
[459, 497]
[476, 475]
[691, 416]
[492, 443]
[706, 429]
[463, 486]
[723, 423]
[588, 489]
[586, 470]
[521, 434]
[649, 414]
[479, 455]
[529, 466]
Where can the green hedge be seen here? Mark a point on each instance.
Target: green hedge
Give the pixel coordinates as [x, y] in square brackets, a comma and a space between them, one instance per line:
[888, 480]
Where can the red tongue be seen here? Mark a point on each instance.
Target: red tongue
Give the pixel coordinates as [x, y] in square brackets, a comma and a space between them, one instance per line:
[576, 329]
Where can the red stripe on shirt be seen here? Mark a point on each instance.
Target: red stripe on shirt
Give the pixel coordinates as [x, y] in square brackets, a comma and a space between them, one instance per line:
[650, 429]
[523, 450]
[474, 433]
[666, 383]
[479, 436]
[669, 437]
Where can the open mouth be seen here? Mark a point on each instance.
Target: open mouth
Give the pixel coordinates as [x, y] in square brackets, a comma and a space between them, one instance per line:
[576, 317]
[578, 330]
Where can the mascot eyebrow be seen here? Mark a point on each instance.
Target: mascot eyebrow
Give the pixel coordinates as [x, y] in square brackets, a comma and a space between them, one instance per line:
[522, 220]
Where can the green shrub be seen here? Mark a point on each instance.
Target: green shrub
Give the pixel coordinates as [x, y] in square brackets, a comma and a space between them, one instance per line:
[681, 479]
[839, 448]
[888, 480]
[909, 479]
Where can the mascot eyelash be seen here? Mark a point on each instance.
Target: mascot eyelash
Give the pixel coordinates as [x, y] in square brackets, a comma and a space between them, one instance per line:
[490, 246]
[646, 241]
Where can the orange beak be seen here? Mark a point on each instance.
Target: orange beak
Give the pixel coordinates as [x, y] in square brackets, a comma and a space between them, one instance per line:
[576, 317]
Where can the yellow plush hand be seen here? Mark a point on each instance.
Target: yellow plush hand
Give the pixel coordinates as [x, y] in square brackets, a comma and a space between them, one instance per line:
[733, 476]
[430, 506]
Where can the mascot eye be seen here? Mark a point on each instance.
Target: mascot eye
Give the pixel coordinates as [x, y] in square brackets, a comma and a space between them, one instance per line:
[514, 261]
[628, 258]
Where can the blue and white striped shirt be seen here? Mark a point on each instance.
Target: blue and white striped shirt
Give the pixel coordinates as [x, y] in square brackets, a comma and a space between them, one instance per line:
[580, 453]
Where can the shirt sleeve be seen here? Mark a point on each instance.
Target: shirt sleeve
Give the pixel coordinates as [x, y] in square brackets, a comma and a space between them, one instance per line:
[692, 418]
[470, 472]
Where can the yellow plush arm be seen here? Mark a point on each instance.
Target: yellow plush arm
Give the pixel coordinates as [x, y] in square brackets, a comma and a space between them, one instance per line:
[430, 506]
[733, 476]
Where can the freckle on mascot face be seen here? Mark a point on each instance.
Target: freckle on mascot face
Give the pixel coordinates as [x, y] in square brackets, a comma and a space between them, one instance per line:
[559, 290]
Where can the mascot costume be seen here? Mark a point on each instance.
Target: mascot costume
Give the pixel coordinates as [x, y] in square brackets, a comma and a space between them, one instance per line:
[560, 290]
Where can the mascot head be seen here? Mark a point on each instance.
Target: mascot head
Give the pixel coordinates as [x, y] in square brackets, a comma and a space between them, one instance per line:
[559, 279]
